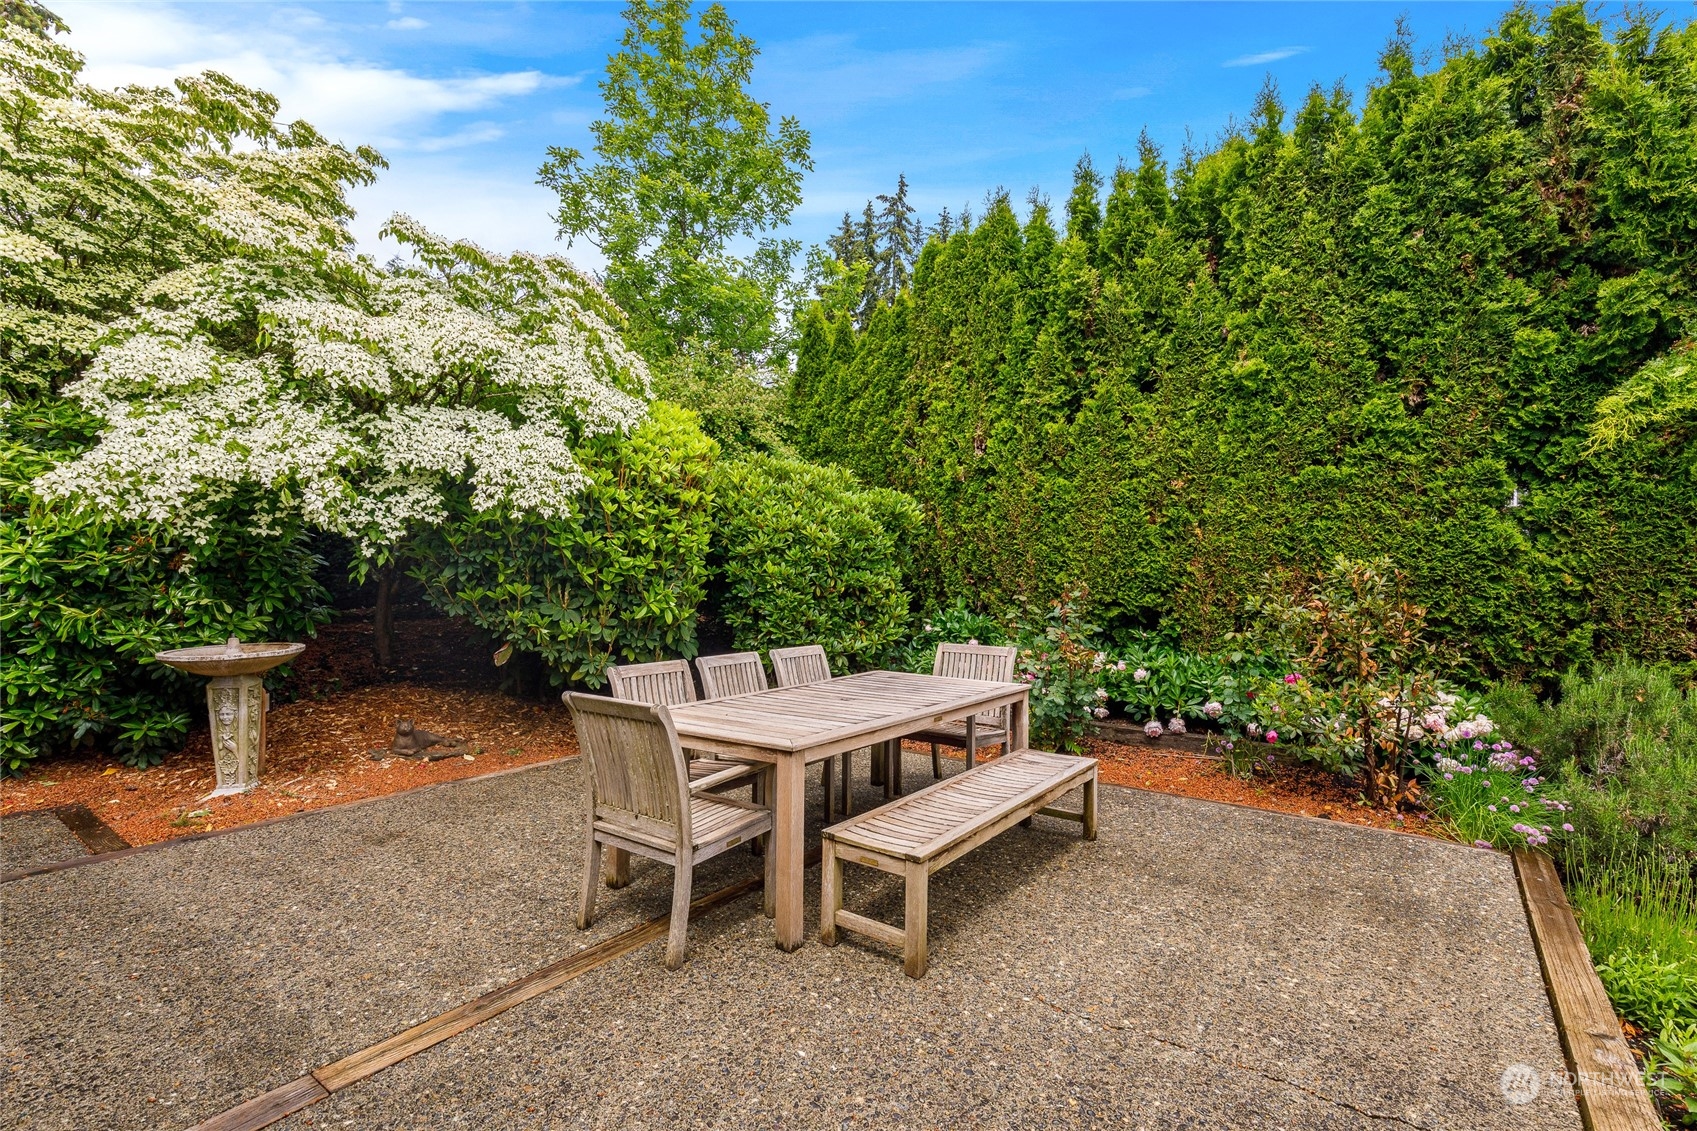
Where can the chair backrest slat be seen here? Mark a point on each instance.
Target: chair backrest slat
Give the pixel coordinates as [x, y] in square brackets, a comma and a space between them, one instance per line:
[797, 666]
[666, 682]
[636, 763]
[735, 673]
[977, 661]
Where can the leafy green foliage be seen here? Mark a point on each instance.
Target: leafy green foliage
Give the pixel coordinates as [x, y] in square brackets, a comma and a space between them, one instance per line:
[1153, 678]
[616, 582]
[1671, 1071]
[1058, 656]
[689, 162]
[1648, 989]
[1384, 334]
[805, 555]
[958, 623]
[85, 604]
[1623, 740]
[740, 406]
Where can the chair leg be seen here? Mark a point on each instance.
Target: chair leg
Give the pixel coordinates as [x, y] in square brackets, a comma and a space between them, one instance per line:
[848, 783]
[1090, 808]
[757, 794]
[936, 762]
[877, 775]
[677, 940]
[830, 891]
[914, 921]
[769, 880]
[827, 775]
[588, 883]
[618, 861]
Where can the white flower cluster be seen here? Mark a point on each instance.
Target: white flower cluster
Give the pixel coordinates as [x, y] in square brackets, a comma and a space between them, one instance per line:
[357, 413]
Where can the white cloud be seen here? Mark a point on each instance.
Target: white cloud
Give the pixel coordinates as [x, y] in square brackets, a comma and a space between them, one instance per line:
[346, 97]
[406, 23]
[475, 134]
[503, 209]
[1263, 57]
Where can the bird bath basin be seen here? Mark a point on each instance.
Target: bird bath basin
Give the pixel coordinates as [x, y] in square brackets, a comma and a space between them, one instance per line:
[235, 703]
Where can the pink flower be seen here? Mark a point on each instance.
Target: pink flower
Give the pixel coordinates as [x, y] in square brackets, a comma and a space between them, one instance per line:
[1273, 736]
[1292, 677]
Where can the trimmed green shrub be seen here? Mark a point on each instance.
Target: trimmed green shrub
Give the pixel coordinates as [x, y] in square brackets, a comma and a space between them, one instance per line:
[84, 605]
[804, 554]
[618, 582]
[1384, 333]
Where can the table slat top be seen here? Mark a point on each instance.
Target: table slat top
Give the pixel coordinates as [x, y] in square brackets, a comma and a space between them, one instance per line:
[792, 719]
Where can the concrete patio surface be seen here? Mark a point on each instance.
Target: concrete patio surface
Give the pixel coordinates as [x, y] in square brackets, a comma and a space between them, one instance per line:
[31, 839]
[1198, 966]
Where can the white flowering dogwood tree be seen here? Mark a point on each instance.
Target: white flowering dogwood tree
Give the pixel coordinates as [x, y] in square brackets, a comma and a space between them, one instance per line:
[353, 396]
[178, 265]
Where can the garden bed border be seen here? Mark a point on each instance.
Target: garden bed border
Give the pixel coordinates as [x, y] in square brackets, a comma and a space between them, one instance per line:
[1608, 1083]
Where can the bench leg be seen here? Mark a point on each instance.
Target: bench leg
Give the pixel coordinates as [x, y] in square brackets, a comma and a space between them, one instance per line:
[915, 920]
[830, 892]
[1090, 808]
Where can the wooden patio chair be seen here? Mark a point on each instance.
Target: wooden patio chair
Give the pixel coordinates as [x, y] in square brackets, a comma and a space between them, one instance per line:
[641, 800]
[990, 728]
[668, 683]
[734, 673]
[804, 664]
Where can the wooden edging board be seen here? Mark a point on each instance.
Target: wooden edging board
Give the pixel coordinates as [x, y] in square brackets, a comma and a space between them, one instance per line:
[1608, 1084]
[326, 1080]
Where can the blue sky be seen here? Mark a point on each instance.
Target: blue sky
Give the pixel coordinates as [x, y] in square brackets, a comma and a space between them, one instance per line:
[962, 97]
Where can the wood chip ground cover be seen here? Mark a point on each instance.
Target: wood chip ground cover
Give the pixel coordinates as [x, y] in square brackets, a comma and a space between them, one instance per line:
[320, 755]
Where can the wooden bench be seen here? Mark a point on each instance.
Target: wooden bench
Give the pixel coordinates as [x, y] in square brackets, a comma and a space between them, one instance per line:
[915, 835]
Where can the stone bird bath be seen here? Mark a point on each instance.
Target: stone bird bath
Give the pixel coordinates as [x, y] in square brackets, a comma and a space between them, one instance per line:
[235, 703]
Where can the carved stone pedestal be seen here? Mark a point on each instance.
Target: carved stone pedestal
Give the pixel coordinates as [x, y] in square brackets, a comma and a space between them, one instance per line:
[236, 705]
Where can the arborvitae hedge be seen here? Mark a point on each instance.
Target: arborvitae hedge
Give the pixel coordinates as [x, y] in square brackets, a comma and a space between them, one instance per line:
[1367, 335]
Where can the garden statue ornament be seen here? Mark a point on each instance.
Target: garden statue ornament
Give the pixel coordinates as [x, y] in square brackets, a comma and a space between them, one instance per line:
[236, 702]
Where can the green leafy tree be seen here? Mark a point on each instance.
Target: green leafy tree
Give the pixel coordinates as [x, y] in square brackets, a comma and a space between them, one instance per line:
[688, 163]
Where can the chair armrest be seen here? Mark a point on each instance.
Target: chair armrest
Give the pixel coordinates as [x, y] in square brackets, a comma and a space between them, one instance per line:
[723, 777]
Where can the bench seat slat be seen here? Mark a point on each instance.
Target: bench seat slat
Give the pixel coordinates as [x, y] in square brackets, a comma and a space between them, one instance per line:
[961, 806]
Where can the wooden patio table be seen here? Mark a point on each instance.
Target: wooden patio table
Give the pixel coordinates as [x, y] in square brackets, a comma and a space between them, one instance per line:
[792, 726]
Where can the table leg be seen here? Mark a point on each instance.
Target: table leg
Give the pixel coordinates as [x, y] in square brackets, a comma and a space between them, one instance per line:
[971, 741]
[896, 766]
[1019, 726]
[789, 842]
